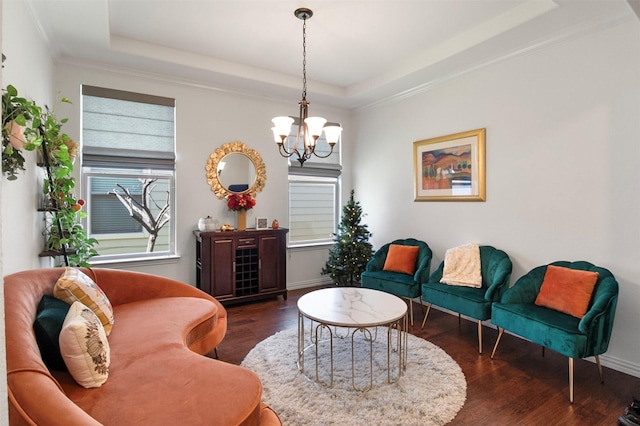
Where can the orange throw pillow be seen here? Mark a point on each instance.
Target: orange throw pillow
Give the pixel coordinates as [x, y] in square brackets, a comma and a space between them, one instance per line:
[401, 259]
[567, 290]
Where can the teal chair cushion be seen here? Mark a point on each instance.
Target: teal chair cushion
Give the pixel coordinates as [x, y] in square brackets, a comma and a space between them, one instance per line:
[403, 285]
[473, 302]
[565, 334]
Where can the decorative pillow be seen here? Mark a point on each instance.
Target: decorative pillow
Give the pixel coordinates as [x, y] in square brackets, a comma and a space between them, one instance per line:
[84, 347]
[74, 285]
[567, 290]
[47, 325]
[401, 259]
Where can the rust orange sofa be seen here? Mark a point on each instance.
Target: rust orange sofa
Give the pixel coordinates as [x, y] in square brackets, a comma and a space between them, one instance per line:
[158, 374]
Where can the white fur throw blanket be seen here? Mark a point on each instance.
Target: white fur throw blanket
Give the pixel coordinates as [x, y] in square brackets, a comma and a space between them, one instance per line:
[462, 266]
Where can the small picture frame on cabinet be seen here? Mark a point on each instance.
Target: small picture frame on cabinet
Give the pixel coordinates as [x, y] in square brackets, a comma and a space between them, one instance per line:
[261, 223]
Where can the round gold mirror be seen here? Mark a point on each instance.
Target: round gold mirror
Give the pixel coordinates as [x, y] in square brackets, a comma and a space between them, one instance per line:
[235, 168]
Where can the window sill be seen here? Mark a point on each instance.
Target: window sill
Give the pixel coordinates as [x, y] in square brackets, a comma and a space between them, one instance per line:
[310, 246]
[138, 261]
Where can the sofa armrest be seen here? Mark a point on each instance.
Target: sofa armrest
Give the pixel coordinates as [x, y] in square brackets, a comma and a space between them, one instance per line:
[422, 272]
[436, 275]
[376, 263]
[499, 281]
[604, 302]
[36, 398]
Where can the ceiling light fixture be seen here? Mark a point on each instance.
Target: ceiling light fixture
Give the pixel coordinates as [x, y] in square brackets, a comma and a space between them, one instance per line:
[309, 128]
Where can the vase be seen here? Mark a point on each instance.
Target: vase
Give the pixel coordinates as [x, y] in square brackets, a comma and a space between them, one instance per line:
[242, 220]
[208, 224]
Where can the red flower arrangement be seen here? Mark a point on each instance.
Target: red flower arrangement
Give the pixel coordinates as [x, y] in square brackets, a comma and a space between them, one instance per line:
[240, 201]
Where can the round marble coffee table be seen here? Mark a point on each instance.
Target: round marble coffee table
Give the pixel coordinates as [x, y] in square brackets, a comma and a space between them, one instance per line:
[359, 310]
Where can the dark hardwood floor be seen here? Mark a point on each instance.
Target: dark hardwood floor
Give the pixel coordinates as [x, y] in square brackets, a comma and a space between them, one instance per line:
[519, 386]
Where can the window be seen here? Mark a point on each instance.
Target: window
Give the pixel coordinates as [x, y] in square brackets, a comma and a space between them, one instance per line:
[314, 193]
[128, 170]
[109, 210]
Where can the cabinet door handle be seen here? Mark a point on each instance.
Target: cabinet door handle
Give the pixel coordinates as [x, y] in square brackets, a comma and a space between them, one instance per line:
[259, 263]
[234, 266]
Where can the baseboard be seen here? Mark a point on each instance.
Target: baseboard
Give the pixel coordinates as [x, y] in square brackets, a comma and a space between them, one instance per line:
[309, 283]
[620, 365]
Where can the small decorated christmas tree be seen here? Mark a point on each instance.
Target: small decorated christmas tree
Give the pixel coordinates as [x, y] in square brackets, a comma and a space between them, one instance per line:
[352, 250]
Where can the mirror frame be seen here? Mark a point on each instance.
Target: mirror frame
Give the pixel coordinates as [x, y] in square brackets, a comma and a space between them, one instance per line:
[236, 147]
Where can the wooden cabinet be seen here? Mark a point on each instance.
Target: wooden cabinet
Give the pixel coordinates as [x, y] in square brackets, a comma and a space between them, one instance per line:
[235, 266]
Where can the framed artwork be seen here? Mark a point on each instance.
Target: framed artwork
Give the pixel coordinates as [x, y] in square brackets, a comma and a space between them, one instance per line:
[450, 168]
[261, 223]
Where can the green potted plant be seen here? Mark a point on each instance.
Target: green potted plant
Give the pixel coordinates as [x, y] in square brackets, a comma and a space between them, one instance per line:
[27, 126]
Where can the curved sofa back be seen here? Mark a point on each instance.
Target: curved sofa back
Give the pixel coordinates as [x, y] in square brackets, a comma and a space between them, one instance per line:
[35, 396]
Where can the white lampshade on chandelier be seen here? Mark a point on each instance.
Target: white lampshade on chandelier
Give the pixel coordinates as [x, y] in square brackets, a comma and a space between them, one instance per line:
[310, 128]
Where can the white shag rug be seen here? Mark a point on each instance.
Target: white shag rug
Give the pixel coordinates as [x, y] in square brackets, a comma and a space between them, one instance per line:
[430, 392]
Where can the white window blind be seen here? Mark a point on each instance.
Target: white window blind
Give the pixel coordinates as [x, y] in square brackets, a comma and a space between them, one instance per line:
[124, 129]
[312, 210]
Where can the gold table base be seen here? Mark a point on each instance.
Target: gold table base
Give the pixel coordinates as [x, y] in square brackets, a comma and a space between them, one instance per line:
[400, 327]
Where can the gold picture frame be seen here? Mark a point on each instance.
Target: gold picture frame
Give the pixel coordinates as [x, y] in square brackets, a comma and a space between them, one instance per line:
[451, 167]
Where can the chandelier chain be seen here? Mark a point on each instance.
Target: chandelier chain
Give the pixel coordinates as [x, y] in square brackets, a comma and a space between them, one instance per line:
[304, 59]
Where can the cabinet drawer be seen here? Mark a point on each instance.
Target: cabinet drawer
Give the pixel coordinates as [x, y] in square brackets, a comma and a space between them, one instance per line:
[246, 242]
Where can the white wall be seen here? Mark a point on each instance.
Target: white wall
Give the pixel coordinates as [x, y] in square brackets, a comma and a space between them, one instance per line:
[207, 118]
[4, 404]
[563, 164]
[29, 68]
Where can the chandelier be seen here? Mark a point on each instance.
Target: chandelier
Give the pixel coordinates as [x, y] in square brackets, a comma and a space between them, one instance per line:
[309, 128]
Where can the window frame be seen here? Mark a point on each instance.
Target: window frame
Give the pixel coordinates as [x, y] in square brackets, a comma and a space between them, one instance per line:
[315, 180]
[161, 165]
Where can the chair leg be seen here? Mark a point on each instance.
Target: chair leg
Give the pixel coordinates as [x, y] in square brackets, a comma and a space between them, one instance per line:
[599, 368]
[410, 302]
[571, 380]
[215, 352]
[479, 336]
[424, 321]
[542, 351]
[500, 331]
[459, 319]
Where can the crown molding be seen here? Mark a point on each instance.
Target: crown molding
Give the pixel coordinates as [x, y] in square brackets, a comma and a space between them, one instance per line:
[570, 33]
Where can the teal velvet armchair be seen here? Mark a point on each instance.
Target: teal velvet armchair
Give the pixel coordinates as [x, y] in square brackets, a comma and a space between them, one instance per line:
[473, 302]
[566, 334]
[402, 285]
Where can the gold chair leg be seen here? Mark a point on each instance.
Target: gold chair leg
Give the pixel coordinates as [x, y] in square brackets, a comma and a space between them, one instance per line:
[424, 321]
[411, 311]
[571, 380]
[500, 331]
[479, 336]
[599, 368]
